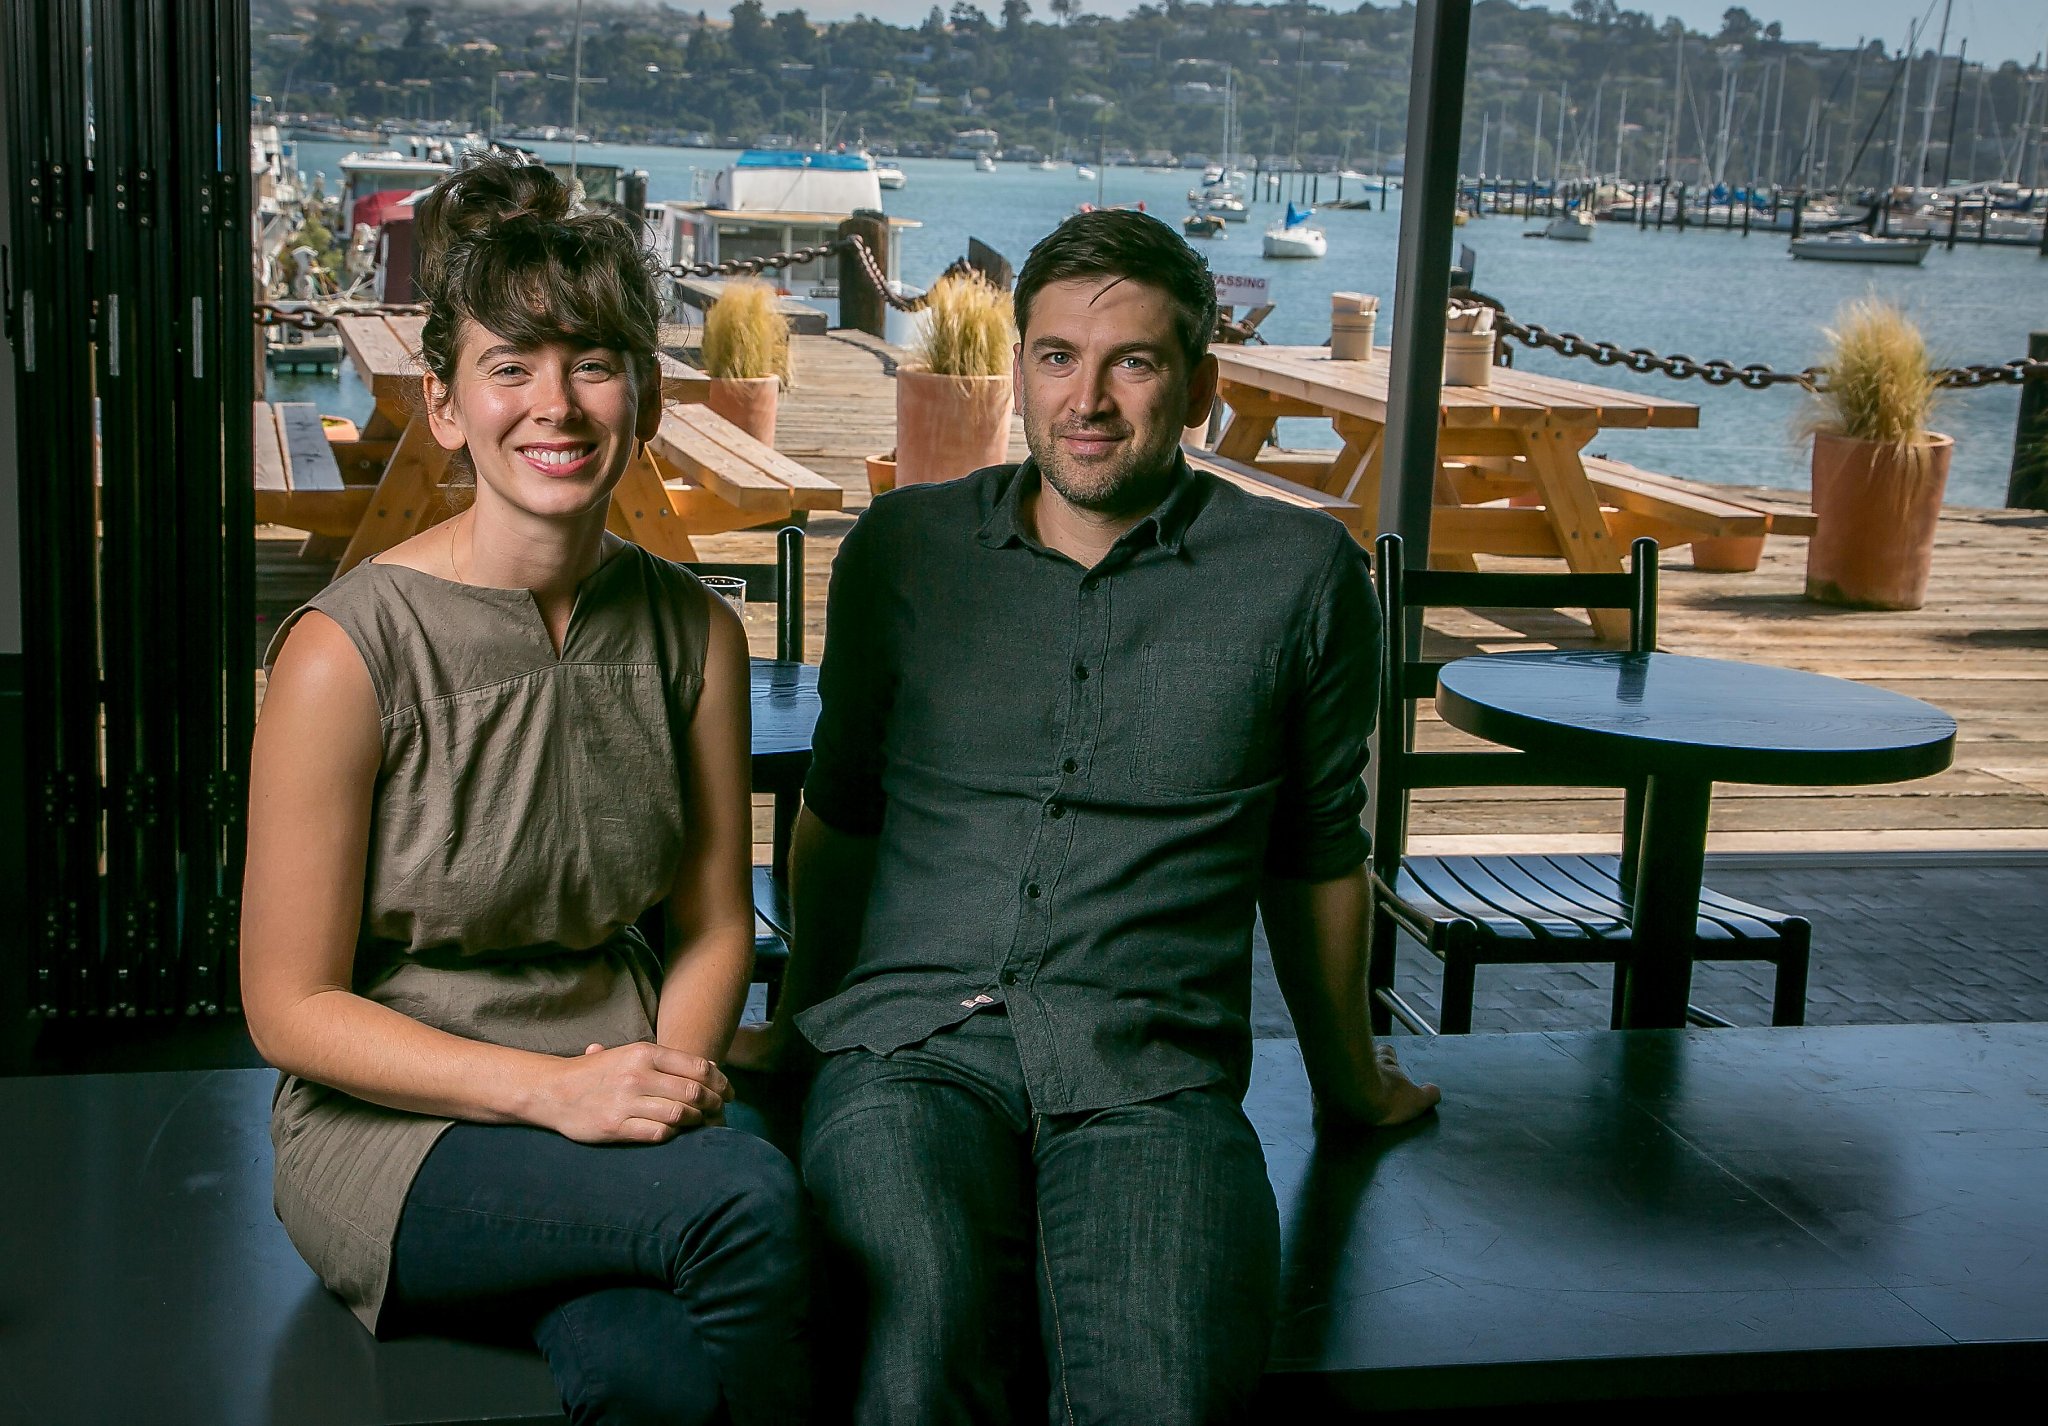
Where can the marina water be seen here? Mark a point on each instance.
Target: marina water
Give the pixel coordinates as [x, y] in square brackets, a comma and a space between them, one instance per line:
[1706, 294]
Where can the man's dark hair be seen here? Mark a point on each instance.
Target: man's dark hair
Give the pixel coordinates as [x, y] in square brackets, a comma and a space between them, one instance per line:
[1136, 247]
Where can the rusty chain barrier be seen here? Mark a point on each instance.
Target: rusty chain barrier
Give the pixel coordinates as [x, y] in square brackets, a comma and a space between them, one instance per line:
[1757, 376]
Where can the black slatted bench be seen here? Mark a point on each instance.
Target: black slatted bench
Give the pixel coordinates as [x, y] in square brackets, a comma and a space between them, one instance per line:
[1596, 1218]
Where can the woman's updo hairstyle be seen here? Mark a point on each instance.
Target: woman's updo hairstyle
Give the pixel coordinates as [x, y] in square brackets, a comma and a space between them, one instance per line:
[500, 245]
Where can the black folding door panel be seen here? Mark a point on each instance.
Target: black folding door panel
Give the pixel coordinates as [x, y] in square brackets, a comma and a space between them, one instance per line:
[216, 497]
[139, 477]
[51, 329]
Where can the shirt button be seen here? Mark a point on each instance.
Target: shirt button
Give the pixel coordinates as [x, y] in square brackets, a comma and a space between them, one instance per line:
[1055, 810]
[1009, 977]
[1032, 891]
[1081, 672]
[1070, 767]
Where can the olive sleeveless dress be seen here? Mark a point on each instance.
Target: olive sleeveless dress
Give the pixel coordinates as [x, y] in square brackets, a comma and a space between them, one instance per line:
[528, 808]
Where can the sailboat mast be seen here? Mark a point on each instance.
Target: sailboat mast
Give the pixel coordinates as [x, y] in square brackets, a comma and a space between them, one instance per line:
[1777, 123]
[1905, 100]
[1933, 92]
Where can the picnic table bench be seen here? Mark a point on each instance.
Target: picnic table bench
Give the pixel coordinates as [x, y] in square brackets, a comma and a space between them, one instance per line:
[1534, 425]
[721, 478]
[298, 477]
[1598, 1217]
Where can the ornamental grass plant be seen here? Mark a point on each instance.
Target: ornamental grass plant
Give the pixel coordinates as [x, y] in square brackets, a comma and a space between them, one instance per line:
[1881, 385]
[969, 329]
[744, 334]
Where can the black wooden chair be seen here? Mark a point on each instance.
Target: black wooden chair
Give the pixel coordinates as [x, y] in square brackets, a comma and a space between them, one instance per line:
[1530, 908]
[780, 583]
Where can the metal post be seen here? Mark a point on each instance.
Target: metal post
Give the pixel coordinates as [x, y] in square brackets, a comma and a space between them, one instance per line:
[860, 305]
[2027, 489]
[1436, 99]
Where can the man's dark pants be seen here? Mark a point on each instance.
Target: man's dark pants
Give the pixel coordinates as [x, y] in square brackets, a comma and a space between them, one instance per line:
[1136, 1246]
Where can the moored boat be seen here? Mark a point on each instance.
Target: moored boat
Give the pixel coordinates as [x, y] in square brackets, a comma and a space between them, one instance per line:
[1861, 247]
[1573, 227]
[1204, 225]
[1292, 237]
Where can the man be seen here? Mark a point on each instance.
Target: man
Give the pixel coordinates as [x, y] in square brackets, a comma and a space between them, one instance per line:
[1081, 716]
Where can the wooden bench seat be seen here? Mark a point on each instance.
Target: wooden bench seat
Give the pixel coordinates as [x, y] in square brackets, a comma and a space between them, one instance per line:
[720, 478]
[1264, 483]
[1593, 1218]
[298, 479]
[1710, 509]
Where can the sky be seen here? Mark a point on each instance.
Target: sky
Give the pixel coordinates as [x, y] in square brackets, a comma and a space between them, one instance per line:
[1998, 29]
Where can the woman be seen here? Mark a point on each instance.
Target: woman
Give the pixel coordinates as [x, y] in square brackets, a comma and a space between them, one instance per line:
[482, 755]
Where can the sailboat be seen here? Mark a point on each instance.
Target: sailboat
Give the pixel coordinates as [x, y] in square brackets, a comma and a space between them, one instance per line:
[1218, 196]
[1050, 163]
[1293, 237]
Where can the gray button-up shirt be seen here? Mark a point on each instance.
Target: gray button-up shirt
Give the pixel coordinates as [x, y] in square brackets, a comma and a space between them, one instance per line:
[1079, 777]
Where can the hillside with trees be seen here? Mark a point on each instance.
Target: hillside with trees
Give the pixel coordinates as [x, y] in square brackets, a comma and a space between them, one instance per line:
[1312, 84]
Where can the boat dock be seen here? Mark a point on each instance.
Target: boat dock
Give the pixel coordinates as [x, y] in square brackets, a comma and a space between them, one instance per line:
[1979, 650]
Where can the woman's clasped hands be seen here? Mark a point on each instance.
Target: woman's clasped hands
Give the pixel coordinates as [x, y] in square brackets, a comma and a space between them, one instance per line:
[641, 1093]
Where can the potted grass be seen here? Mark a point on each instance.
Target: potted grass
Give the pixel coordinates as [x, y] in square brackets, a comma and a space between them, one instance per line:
[746, 354]
[1878, 472]
[953, 396]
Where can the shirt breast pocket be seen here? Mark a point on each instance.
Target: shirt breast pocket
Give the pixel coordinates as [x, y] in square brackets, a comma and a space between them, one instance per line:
[1205, 720]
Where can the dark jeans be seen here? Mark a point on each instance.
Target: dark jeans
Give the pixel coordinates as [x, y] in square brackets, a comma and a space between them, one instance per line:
[662, 1283]
[994, 1264]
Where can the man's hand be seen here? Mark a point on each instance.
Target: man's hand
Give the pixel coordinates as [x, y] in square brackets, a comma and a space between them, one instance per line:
[760, 1046]
[1391, 1098]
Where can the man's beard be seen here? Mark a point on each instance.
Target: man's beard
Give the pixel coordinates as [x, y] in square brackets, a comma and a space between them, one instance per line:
[1132, 479]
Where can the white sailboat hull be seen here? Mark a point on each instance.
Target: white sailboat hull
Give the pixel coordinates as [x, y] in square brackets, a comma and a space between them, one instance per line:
[1861, 247]
[1296, 242]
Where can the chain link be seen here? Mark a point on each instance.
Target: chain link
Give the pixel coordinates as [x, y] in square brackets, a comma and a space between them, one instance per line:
[311, 319]
[1756, 376]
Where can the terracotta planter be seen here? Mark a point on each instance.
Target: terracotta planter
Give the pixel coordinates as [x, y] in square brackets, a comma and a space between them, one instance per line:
[947, 426]
[1728, 554]
[881, 473]
[748, 402]
[1875, 509]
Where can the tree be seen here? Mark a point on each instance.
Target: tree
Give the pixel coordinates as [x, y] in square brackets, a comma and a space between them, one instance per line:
[967, 18]
[1015, 12]
[1064, 10]
[752, 41]
[1738, 26]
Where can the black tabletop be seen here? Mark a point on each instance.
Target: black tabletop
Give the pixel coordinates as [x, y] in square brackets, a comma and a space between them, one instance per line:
[785, 709]
[1591, 1216]
[1710, 718]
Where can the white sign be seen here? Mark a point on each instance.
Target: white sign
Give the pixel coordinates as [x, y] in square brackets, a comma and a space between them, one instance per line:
[1235, 291]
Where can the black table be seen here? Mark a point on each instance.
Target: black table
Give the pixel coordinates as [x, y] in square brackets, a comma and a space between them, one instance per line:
[1685, 724]
[1593, 1217]
[784, 699]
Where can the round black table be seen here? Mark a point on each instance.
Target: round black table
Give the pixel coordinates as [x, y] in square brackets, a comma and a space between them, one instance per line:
[784, 698]
[1684, 724]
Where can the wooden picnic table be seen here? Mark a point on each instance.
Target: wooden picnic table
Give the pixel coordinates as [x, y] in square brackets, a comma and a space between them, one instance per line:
[706, 475]
[1523, 434]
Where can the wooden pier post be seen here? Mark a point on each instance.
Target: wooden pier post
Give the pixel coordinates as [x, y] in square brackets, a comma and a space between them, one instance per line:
[1798, 214]
[860, 305]
[1748, 206]
[2027, 488]
[1679, 216]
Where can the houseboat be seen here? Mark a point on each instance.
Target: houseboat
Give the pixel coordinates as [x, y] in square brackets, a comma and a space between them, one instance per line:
[771, 201]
